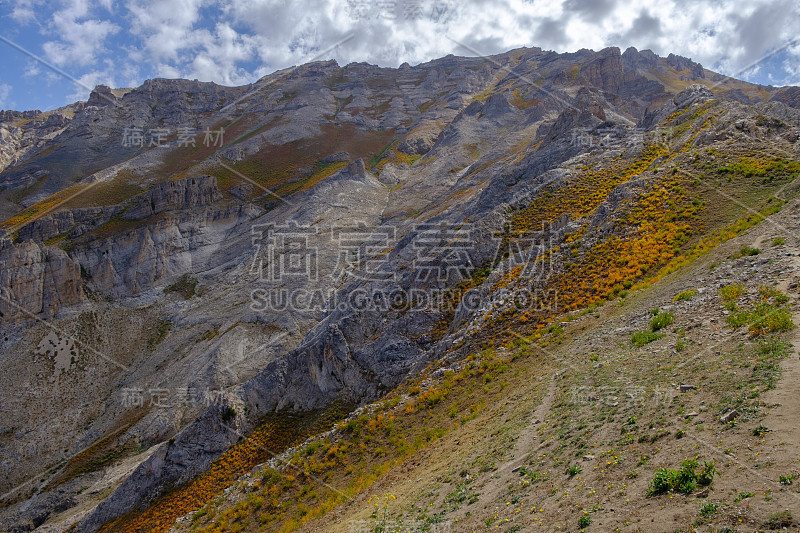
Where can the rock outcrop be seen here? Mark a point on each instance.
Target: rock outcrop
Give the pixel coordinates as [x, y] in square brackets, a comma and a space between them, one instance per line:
[693, 94]
[36, 281]
[176, 195]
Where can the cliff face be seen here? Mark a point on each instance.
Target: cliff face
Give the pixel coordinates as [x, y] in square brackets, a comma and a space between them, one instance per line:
[36, 281]
[157, 253]
[352, 225]
[176, 195]
[41, 279]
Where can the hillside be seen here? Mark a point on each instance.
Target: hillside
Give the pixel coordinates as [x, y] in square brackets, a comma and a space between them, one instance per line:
[494, 293]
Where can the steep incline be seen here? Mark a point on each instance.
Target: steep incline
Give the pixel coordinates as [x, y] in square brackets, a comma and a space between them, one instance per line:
[170, 312]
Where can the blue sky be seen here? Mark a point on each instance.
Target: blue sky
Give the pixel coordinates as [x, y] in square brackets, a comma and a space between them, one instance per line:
[122, 43]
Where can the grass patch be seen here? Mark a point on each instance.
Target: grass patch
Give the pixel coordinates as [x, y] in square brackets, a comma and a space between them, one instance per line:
[160, 333]
[640, 338]
[779, 520]
[768, 315]
[684, 480]
[186, 286]
[746, 251]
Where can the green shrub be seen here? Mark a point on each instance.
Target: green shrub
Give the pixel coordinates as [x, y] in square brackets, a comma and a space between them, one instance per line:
[771, 294]
[747, 251]
[640, 338]
[778, 241]
[159, 334]
[684, 481]
[769, 315]
[584, 521]
[229, 413]
[766, 318]
[731, 293]
[661, 320]
[685, 295]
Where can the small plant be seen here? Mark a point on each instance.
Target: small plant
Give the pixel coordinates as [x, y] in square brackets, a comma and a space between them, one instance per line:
[743, 496]
[684, 481]
[710, 509]
[787, 480]
[531, 475]
[228, 413]
[661, 320]
[574, 470]
[779, 520]
[768, 293]
[747, 251]
[731, 293]
[778, 241]
[381, 512]
[684, 295]
[585, 520]
[760, 430]
[640, 338]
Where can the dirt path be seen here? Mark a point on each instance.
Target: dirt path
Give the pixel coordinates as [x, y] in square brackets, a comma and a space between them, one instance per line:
[529, 437]
[782, 442]
[526, 442]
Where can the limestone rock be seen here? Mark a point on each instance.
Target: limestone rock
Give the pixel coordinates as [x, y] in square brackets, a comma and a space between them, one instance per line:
[175, 195]
[36, 280]
[693, 94]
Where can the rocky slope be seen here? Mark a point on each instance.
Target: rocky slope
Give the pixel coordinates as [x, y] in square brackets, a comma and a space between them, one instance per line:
[186, 265]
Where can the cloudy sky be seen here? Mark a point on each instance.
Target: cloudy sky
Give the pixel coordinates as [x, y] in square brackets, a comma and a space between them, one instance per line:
[53, 50]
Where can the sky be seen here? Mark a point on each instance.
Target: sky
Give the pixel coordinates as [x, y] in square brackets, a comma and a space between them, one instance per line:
[52, 52]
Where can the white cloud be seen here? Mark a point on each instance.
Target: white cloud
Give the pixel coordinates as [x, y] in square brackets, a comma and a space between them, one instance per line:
[252, 37]
[237, 41]
[80, 42]
[23, 12]
[165, 26]
[5, 92]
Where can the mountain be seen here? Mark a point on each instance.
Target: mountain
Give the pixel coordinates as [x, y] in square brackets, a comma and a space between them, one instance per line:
[457, 280]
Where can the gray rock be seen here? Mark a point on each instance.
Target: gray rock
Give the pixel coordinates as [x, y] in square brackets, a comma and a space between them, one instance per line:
[338, 157]
[175, 195]
[101, 96]
[730, 416]
[36, 281]
[693, 94]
